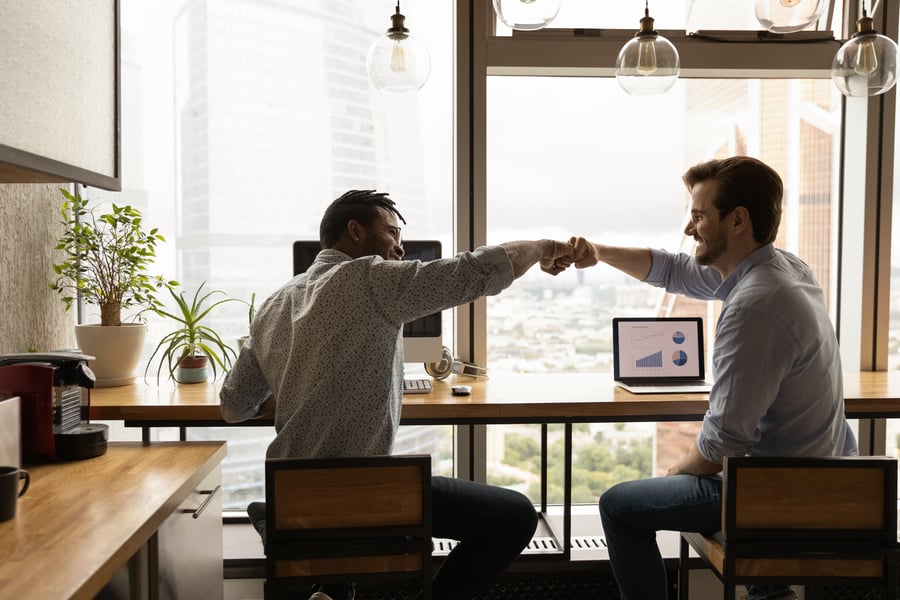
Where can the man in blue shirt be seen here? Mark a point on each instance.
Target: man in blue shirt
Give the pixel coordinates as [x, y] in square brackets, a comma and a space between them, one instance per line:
[776, 363]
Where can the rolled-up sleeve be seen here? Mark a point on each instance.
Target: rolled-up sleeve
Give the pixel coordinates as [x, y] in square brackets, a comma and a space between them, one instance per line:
[680, 274]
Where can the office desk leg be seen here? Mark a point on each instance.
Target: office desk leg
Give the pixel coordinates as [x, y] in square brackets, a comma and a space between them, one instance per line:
[567, 493]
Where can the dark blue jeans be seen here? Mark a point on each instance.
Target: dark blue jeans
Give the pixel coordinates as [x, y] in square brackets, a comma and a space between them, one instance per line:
[632, 513]
[492, 525]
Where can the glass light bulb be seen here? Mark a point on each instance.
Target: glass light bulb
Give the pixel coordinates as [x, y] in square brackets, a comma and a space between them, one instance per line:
[866, 65]
[786, 16]
[866, 61]
[398, 63]
[646, 63]
[526, 15]
[398, 58]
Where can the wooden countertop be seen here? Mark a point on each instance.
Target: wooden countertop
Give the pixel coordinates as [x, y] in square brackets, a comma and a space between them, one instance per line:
[80, 521]
[500, 399]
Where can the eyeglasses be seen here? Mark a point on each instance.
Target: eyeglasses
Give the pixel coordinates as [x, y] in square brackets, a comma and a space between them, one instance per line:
[697, 216]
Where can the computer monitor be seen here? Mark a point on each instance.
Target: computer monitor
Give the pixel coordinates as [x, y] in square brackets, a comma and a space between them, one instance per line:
[422, 338]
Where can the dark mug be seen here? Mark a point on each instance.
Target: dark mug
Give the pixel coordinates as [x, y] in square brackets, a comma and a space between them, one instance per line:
[9, 490]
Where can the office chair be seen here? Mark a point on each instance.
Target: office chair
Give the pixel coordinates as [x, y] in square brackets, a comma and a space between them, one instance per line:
[347, 520]
[809, 521]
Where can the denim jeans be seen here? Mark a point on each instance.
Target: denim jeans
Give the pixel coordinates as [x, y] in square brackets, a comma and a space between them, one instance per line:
[492, 524]
[632, 512]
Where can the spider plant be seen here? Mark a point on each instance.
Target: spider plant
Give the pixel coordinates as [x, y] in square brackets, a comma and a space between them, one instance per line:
[192, 339]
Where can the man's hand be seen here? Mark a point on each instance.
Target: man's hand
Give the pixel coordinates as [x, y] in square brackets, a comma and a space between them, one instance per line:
[694, 463]
[558, 258]
[583, 253]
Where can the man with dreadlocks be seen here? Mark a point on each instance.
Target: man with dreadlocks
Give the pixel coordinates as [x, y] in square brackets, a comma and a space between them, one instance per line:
[325, 358]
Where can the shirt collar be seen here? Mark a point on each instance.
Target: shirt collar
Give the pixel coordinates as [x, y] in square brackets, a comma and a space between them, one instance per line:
[758, 256]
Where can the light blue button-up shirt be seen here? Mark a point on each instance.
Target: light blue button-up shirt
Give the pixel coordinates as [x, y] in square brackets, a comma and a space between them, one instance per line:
[778, 387]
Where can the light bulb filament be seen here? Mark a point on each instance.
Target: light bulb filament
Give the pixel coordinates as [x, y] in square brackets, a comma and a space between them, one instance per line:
[866, 62]
[646, 64]
[398, 58]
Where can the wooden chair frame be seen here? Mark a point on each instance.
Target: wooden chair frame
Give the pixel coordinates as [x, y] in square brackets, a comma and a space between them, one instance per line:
[362, 519]
[802, 521]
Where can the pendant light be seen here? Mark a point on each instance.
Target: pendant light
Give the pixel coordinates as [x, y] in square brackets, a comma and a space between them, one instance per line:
[866, 65]
[648, 63]
[526, 15]
[787, 16]
[398, 62]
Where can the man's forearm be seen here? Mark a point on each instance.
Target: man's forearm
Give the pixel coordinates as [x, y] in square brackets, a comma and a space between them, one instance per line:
[524, 254]
[636, 262]
[694, 463]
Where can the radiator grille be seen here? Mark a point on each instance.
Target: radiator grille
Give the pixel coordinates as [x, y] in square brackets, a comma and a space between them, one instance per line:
[67, 408]
[538, 545]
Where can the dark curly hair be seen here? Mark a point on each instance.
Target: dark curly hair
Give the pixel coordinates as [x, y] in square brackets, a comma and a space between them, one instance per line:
[355, 205]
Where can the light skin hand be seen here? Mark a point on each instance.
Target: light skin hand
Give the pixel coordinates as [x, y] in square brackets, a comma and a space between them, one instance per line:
[694, 463]
[584, 253]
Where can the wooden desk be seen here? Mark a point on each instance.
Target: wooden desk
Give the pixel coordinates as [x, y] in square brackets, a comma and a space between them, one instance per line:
[81, 521]
[515, 398]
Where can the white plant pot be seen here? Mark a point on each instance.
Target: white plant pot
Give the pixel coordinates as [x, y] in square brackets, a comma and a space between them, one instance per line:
[117, 351]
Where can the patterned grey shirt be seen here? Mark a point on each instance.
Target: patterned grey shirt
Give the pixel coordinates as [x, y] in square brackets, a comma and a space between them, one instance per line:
[328, 345]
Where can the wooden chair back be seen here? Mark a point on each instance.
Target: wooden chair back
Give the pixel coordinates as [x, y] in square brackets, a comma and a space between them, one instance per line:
[802, 520]
[347, 519]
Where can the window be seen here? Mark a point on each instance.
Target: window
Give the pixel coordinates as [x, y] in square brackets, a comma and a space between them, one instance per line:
[243, 121]
[607, 166]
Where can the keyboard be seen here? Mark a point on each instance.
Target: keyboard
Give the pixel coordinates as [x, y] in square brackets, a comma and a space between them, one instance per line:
[416, 386]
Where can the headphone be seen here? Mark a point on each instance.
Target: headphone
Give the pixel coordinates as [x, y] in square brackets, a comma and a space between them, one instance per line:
[442, 369]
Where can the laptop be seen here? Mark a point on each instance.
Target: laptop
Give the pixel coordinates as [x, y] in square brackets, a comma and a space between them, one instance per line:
[659, 355]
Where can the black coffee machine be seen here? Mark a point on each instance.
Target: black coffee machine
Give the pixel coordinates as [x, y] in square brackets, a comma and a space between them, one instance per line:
[54, 388]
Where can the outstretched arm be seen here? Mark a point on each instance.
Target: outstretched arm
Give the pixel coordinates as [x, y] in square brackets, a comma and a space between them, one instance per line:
[553, 255]
[632, 261]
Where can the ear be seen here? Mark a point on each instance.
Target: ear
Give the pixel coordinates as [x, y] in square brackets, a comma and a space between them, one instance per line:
[742, 220]
[355, 230]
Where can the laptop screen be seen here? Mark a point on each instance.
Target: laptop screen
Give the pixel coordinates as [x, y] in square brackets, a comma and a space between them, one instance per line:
[647, 349]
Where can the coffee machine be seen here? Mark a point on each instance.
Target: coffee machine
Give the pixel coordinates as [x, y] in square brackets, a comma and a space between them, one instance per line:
[54, 391]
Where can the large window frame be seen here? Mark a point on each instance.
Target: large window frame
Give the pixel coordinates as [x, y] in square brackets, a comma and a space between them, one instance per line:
[866, 178]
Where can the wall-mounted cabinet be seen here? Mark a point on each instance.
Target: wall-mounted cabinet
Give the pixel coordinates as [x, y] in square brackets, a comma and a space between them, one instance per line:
[60, 103]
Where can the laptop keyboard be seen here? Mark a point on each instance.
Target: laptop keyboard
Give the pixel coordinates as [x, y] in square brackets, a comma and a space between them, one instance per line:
[416, 386]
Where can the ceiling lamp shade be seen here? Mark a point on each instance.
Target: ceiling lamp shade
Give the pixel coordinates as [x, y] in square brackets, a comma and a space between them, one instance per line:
[526, 15]
[398, 62]
[787, 16]
[648, 63]
[866, 65]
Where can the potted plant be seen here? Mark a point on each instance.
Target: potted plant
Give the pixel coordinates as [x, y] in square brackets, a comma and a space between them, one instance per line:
[106, 262]
[192, 347]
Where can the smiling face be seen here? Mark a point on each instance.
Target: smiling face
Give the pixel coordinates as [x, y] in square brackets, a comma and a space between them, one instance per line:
[706, 226]
[382, 237]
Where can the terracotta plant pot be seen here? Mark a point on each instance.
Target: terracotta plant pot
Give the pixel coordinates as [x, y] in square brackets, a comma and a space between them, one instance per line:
[192, 369]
